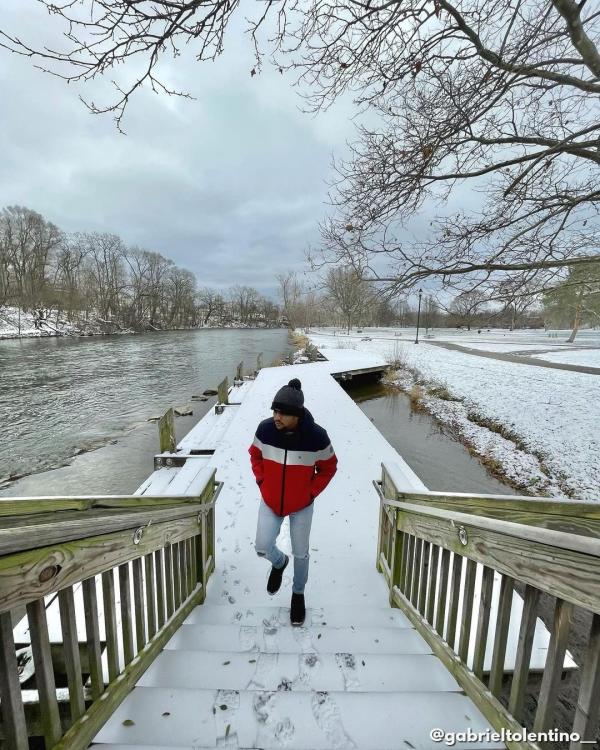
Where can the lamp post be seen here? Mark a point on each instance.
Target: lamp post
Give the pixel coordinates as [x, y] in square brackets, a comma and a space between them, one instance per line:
[418, 316]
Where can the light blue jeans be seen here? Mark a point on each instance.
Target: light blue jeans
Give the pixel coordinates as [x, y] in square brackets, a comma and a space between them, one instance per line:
[267, 531]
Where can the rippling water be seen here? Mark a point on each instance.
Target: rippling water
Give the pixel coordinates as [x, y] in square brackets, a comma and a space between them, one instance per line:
[61, 396]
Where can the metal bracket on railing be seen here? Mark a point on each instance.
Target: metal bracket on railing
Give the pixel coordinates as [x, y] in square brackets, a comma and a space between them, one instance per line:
[137, 535]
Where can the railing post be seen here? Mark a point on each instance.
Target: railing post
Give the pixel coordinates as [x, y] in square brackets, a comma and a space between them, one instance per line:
[259, 363]
[222, 390]
[239, 373]
[166, 432]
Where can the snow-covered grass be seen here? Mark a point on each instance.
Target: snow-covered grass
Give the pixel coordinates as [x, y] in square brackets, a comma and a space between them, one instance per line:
[538, 427]
[587, 357]
[15, 323]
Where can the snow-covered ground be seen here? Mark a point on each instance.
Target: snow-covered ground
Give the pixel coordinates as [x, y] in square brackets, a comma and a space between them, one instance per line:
[15, 323]
[540, 427]
[587, 357]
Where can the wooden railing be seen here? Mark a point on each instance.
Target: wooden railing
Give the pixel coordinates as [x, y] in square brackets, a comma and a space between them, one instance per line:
[429, 550]
[125, 571]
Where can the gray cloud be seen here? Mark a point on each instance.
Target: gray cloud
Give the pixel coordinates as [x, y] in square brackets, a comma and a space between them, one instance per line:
[231, 185]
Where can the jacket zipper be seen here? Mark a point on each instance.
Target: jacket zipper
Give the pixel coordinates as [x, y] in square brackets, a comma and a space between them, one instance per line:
[283, 481]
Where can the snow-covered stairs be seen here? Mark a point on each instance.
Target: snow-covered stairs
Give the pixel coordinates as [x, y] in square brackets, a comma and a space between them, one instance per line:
[242, 677]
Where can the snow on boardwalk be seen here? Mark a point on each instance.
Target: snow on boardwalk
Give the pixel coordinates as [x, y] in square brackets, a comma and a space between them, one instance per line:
[357, 675]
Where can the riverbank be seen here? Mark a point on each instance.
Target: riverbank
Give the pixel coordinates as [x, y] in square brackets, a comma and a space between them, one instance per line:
[16, 324]
[535, 428]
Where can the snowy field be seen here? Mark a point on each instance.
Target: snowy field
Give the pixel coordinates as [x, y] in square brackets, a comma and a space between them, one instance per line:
[587, 357]
[540, 426]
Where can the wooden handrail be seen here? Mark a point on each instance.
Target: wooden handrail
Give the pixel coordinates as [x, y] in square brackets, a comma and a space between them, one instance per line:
[431, 545]
[144, 561]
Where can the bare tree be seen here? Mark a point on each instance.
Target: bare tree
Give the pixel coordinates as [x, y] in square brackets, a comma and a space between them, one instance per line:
[348, 292]
[27, 241]
[210, 302]
[465, 307]
[290, 293]
[500, 97]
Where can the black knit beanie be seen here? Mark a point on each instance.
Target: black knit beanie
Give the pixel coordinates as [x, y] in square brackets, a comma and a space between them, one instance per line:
[290, 399]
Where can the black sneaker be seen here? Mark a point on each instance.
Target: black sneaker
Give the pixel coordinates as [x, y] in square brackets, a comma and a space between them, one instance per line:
[274, 582]
[297, 610]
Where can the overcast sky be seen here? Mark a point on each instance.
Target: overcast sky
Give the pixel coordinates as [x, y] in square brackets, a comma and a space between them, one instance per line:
[231, 186]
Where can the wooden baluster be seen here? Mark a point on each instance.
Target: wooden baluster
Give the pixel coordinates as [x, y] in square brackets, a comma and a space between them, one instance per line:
[423, 577]
[457, 563]
[553, 668]
[205, 545]
[92, 630]
[68, 623]
[150, 595]
[13, 714]
[442, 593]
[483, 620]
[184, 570]
[467, 610]
[170, 587]
[524, 647]
[395, 560]
[176, 576]
[588, 703]
[160, 588]
[191, 570]
[44, 672]
[432, 585]
[199, 544]
[209, 529]
[501, 635]
[408, 568]
[138, 602]
[414, 589]
[194, 566]
[110, 624]
[126, 624]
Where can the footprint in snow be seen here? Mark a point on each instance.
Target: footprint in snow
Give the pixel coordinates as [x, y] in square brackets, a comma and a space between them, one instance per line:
[329, 720]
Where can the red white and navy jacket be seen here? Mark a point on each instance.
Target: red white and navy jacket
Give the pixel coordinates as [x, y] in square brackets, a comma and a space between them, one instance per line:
[292, 468]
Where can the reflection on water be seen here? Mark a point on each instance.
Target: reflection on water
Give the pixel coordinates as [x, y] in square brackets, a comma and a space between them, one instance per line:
[441, 462]
[60, 396]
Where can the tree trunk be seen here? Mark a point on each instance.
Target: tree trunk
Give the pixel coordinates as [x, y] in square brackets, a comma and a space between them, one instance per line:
[577, 321]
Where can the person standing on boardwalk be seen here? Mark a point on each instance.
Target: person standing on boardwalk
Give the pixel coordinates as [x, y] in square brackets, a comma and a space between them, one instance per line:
[293, 461]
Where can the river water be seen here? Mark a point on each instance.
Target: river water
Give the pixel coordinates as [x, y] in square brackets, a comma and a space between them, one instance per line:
[64, 396]
[74, 411]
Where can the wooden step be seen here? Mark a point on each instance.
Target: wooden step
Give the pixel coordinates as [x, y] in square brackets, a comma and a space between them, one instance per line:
[168, 717]
[274, 639]
[356, 672]
[325, 616]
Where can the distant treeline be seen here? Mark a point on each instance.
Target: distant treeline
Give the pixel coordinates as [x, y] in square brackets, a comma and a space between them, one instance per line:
[95, 276]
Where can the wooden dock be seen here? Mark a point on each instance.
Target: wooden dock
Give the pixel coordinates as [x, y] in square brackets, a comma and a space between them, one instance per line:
[195, 660]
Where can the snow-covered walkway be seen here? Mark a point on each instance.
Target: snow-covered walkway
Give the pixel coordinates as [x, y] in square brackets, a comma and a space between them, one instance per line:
[357, 675]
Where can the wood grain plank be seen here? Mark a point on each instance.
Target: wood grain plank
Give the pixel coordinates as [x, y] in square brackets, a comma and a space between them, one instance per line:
[563, 616]
[483, 620]
[44, 672]
[150, 594]
[126, 612]
[13, 713]
[68, 622]
[524, 647]
[501, 635]
[92, 629]
[110, 623]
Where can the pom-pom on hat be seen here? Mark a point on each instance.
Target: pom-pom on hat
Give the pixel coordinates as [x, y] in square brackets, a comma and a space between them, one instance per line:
[290, 399]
